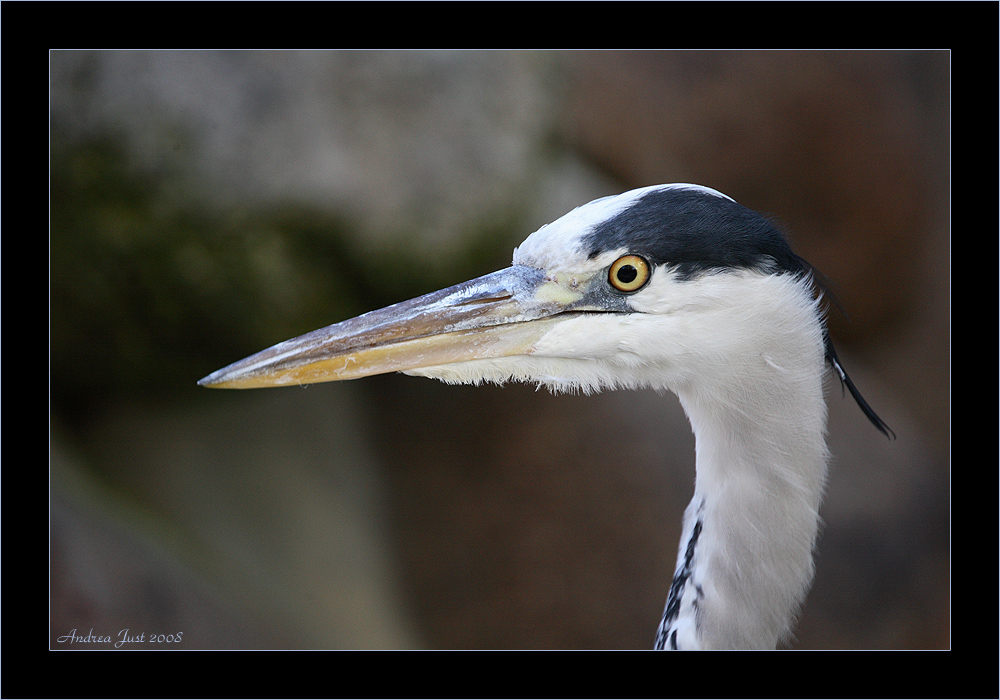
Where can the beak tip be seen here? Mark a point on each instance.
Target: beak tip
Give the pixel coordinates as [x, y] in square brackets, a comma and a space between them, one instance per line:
[215, 380]
[238, 378]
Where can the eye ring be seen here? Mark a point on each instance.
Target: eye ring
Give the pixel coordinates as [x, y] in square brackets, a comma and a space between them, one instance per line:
[628, 274]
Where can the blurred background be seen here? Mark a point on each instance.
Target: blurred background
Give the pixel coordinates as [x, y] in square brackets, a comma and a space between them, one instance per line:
[206, 205]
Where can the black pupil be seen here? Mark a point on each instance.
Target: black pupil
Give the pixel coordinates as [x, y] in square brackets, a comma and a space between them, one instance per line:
[627, 273]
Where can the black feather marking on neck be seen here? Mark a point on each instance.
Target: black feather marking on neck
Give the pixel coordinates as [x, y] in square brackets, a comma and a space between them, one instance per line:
[666, 634]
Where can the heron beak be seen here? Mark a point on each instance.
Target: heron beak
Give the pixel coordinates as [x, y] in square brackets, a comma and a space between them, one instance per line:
[498, 315]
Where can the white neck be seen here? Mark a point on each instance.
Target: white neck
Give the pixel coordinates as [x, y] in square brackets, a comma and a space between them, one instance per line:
[745, 560]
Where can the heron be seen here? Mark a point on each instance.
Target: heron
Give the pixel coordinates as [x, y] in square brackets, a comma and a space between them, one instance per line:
[673, 287]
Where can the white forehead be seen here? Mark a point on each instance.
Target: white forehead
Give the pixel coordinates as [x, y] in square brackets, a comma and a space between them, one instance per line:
[557, 245]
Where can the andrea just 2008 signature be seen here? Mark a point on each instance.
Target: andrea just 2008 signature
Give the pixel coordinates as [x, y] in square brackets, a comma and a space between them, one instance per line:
[125, 637]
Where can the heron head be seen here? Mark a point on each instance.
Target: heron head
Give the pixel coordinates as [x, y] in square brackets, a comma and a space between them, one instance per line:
[611, 294]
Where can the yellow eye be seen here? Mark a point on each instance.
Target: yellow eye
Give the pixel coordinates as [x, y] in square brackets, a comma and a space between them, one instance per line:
[629, 273]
